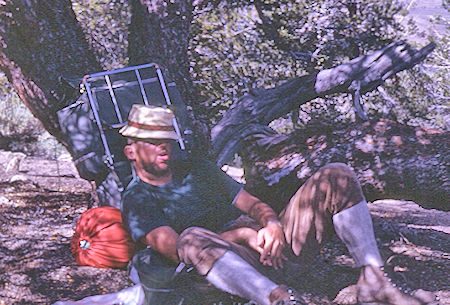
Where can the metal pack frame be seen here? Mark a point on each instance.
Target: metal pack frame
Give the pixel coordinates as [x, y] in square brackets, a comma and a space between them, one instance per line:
[140, 81]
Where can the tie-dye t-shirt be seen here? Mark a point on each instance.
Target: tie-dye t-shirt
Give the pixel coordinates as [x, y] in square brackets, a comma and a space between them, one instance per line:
[200, 195]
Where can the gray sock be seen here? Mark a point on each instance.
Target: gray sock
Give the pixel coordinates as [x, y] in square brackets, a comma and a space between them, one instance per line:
[354, 227]
[234, 275]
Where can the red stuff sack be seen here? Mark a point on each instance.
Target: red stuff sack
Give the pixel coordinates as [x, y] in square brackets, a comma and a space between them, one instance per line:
[101, 240]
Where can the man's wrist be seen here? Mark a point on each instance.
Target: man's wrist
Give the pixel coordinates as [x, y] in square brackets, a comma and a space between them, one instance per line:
[275, 221]
[263, 213]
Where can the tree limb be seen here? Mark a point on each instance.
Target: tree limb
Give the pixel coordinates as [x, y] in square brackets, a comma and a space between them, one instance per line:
[40, 42]
[261, 106]
[391, 160]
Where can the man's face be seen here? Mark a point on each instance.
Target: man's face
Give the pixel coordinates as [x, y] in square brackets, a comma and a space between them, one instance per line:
[152, 155]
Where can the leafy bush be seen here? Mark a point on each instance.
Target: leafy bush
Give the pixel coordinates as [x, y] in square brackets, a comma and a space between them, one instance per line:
[231, 53]
[105, 24]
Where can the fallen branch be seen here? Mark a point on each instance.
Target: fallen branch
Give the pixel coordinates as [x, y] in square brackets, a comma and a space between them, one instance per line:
[261, 106]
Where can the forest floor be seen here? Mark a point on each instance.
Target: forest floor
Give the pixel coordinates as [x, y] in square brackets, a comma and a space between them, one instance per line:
[38, 214]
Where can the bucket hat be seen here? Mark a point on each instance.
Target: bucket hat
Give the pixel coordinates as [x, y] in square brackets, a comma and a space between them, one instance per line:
[149, 122]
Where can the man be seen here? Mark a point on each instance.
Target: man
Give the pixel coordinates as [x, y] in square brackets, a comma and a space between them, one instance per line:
[184, 212]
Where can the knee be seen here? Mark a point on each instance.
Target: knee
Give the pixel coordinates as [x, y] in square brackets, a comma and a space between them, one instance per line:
[190, 233]
[338, 168]
[188, 242]
[192, 240]
[334, 171]
[190, 236]
[200, 248]
[339, 178]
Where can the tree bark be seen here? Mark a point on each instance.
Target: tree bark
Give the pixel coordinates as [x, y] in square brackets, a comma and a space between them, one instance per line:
[391, 160]
[253, 111]
[159, 32]
[42, 42]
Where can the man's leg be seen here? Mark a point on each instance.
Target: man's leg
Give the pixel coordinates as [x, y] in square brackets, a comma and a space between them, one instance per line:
[354, 228]
[228, 266]
[333, 196]
[234, 275]
[156, 277]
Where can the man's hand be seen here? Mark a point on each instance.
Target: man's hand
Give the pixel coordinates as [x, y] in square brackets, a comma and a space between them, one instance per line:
[270, 242]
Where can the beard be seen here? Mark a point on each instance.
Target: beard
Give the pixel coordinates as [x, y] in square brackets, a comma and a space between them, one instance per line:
[158, 169]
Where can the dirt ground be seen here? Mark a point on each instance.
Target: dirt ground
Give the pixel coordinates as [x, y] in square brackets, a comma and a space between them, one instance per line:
[39, 210]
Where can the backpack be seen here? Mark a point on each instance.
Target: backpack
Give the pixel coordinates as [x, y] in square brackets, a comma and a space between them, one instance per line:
[90, 124]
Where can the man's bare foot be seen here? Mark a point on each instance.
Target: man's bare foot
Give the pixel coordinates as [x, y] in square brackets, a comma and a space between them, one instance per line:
[375, 288]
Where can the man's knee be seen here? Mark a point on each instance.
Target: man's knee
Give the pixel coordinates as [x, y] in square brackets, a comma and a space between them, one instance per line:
[337, 168]
[193, 237]
[200, 248]
[192, 232]
[340, 181]
[337, 173]
[193, 241]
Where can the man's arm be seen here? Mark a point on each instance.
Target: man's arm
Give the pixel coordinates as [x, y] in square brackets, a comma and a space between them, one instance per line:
[163, 240]
[243, 235]
[255, 208]
[270, 238]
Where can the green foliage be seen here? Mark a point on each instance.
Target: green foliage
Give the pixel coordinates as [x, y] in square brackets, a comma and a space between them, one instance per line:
[105, 23]
[228, 57]
[329, 32]
[230, 53]
[420, 96]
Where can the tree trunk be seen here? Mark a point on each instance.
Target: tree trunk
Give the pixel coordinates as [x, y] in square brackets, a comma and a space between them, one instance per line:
[42, 42]
[253, 111]
[391, 160]
[159, 32]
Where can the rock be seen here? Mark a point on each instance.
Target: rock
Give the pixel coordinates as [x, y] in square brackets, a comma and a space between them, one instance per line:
[65, 157]
[21, 178]
[47, 168]
[13, 164]
[9, 161]
[5, 201]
